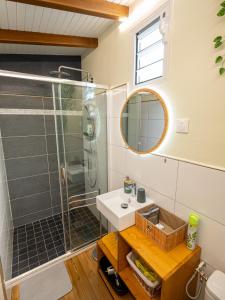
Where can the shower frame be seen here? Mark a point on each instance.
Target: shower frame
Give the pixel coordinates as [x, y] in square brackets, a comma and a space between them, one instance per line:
[51, 80]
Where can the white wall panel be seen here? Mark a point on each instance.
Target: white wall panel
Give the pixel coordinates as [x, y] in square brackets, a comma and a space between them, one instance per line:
[29, 17]
[37, 19]
[163, 201]
[202, 189]
[53, 18]
[210, 238]
[45, 20]
[11, 12]
[133, 167]
[61, 20]
[20, 17]
[117, 158]
[3, 15]
[116, 101]
[114, 127]
[160, 174]
[115, 180]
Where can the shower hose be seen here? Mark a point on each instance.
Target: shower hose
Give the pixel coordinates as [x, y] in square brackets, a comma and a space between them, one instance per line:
[201, 283]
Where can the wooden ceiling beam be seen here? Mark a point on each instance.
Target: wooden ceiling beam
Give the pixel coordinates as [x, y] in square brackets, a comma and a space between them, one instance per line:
[36, 38]
[98, 8]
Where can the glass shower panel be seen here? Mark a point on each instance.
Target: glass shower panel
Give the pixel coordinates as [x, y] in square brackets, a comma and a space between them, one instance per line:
[30, 203]
[81, 121]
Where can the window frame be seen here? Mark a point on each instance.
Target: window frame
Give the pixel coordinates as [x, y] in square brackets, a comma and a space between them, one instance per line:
[158, 13]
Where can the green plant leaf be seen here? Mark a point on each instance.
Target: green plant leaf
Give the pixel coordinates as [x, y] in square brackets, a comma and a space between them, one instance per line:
[221, 12]
[219, 59]
[222, 4]
[218, 44]
[222, 71]
[218, 39]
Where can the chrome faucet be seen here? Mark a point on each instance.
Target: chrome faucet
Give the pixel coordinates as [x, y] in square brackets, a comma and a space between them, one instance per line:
[134, 189]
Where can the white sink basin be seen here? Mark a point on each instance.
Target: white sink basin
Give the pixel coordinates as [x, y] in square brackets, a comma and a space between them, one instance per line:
[109, 205]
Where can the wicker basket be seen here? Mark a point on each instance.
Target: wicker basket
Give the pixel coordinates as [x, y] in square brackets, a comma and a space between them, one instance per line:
[151, 288]
[174, 231]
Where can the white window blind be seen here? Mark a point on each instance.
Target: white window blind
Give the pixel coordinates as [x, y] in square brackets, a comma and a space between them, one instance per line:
[149, 53]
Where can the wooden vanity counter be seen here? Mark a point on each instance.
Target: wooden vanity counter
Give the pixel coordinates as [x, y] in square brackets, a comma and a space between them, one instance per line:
[174, 267]
[162, 262]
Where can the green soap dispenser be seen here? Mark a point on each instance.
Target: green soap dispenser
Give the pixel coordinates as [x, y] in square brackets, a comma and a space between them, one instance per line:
[192, 232]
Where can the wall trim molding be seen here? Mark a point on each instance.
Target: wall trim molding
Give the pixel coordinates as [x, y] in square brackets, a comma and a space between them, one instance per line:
[193, 162]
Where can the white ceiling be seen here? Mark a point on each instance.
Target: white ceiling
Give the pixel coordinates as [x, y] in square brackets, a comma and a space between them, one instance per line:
[19, 16]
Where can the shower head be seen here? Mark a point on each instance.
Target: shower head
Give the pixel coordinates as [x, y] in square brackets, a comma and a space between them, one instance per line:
[59, 74]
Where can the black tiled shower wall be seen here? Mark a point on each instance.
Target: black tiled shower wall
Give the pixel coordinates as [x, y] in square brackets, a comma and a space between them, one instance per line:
[31, 175]
[24, 146]
[29, 141]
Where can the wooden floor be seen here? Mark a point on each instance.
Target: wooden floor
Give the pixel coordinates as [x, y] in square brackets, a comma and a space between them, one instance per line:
[87, 284]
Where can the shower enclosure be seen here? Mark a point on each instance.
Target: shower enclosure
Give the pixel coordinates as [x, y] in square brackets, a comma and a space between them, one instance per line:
[54, 137]
[82, 158]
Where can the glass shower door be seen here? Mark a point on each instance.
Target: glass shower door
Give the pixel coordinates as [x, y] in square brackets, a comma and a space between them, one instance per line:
[80, 119]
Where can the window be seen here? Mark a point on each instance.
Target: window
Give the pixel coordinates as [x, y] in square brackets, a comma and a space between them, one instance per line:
[150, 52]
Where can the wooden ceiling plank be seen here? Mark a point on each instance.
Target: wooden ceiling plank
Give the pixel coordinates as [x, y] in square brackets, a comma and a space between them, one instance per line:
[37, 38]
[98, 8]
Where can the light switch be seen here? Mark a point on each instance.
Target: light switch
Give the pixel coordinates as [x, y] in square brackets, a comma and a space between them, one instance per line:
[182, 125]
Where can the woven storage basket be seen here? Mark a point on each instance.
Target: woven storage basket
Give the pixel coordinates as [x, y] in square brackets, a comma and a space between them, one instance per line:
[168, 238]
[151, 288]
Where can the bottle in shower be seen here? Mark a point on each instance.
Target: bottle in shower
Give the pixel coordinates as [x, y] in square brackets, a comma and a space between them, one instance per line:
[192, 232]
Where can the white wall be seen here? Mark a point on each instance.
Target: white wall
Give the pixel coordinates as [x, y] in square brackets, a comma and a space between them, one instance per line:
[192, 86]
[193, 89]
[178, 186]
[6, 233]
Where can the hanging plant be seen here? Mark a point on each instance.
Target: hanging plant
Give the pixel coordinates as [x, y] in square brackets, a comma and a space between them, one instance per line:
[219, 41]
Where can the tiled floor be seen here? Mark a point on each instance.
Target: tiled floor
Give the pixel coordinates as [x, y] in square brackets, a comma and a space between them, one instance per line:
[84, 227]
[39, 242]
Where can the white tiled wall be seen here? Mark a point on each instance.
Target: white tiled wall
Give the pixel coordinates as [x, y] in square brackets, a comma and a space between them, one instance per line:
[178, 186]
[5, 220]
[202, 189]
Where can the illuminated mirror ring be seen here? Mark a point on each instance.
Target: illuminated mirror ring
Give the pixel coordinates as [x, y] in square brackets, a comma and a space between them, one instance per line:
[144, 121]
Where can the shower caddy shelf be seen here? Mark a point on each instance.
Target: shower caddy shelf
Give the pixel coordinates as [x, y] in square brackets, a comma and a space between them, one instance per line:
[174, 267]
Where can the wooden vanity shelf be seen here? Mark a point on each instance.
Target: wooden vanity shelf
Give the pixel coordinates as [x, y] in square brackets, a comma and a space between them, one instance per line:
[134, 286]
[115, 249]
[108, 246]
[174, 267]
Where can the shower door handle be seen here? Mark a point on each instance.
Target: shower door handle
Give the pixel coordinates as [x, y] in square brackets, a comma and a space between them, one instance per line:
[63, 175]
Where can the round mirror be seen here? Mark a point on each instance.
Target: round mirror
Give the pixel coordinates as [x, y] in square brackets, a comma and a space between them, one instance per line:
[144, 121]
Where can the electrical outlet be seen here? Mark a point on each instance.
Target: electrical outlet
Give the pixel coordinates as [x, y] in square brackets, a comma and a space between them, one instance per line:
[182, 125]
